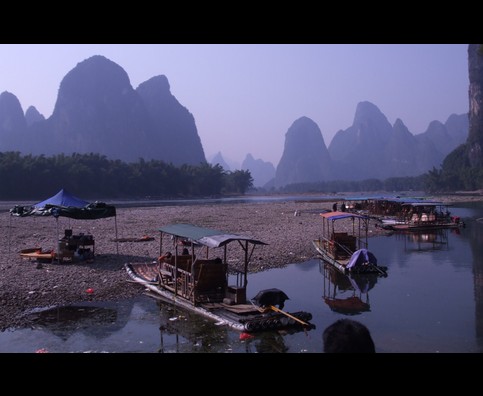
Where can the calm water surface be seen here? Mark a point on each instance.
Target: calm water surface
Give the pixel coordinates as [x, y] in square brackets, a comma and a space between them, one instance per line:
[431, 301]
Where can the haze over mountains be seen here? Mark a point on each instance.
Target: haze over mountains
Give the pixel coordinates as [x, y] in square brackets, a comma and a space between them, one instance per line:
[98, 111]
[370, 148]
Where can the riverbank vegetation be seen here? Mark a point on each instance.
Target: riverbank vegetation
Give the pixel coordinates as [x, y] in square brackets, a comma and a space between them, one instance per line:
[95, 176]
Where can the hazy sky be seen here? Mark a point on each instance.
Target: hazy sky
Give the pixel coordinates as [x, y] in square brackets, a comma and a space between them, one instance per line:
[245, 97]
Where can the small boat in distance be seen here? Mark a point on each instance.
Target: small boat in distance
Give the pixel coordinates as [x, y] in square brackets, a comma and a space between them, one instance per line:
[347, 251]
[422, 216]
[199, 280]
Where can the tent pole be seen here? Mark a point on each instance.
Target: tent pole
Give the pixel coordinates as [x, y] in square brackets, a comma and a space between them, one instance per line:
[9, 231]
[56, 242]
[117, 242]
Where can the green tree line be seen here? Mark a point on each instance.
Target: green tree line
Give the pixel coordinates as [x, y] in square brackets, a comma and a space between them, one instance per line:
[456, 174]
[416, 183]
[93, 176]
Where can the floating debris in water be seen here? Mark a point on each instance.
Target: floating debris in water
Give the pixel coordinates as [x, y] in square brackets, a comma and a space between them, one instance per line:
[246, 336]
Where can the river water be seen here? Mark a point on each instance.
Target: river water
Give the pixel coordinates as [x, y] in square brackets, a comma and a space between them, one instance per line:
[431, 301]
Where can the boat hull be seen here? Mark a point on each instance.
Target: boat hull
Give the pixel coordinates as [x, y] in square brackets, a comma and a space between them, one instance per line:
[341, 265]
[419, 227]
[38, 254]
[328, 258]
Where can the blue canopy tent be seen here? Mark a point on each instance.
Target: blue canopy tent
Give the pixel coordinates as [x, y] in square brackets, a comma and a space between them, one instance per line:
[65, 204]
[62, 198]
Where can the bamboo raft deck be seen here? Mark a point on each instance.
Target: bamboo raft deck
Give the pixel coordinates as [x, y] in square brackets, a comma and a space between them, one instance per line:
[241, 317]
[202, 285]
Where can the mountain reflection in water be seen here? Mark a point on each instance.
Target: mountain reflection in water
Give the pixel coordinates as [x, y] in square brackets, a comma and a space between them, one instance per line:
[91, 320]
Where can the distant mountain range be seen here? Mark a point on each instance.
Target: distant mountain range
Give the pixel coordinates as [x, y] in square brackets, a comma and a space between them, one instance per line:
[98, 111]
[262, 172]
[370, 148]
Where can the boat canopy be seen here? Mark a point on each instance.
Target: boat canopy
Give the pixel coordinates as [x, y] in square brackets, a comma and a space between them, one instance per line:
[385, 198]
[206, 236]
[403, 200]
[66, 205]
[427, 203]
[341, 215]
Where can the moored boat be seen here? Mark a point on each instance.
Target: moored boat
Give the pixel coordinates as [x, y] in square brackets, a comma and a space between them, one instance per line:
[38, 254]
[201, 281]
[421, 216]
[347, 251]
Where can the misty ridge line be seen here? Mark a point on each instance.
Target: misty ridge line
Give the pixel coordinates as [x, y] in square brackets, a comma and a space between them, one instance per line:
[97, 110]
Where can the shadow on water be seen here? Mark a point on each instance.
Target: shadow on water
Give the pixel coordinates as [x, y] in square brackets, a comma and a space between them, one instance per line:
[94, 321]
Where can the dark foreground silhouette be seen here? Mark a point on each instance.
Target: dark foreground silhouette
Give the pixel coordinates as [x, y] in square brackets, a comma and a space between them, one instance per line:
[347, 336]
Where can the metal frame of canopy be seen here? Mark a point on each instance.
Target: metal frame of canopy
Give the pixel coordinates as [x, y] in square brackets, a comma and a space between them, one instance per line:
[209, 238]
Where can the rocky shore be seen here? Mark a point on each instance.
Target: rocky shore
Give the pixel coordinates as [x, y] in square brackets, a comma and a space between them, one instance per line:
[288, 228]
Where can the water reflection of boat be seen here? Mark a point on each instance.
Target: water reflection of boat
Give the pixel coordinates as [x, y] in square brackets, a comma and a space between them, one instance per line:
[183, 331]
[347, 294]
[436, 239]
[266, 342]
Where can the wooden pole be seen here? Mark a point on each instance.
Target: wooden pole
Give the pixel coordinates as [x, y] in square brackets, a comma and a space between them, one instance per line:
[287, 314]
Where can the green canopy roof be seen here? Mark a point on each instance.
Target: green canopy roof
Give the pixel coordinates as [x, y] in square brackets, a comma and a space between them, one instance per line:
[206, 236]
